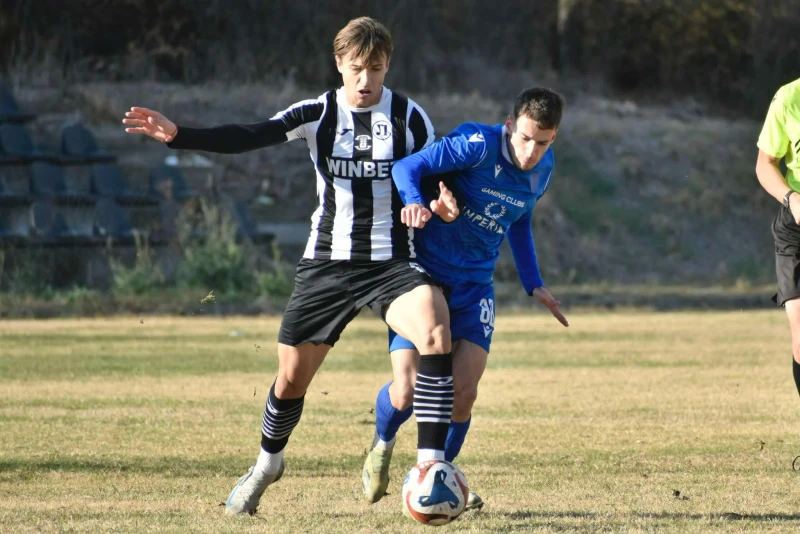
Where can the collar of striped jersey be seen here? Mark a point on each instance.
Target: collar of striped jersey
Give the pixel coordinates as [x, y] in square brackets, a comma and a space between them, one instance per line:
[341, 100]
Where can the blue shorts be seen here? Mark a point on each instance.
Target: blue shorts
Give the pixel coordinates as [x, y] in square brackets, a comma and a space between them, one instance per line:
[471, 316]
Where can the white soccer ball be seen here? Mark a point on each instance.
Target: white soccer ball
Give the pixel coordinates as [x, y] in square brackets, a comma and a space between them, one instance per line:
[434, 492]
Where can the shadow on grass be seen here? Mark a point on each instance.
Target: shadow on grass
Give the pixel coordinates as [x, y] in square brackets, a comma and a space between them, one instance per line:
[174, 466]
[727, 516]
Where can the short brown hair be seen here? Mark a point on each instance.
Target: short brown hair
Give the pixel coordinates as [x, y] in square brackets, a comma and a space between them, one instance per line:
[364, 37]
[542, 105]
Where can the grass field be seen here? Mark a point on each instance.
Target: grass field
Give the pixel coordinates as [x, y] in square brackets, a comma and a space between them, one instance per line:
[144, 425]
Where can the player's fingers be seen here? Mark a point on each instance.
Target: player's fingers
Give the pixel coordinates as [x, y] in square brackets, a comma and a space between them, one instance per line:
[560, 316]
[134, 122]
[145, 111]
[135, 130]
[446, 193]
[553, 305]
[417, 218]
[436, 205]
[446, 196]
[132, 115]
[424, 215]
[404, 217]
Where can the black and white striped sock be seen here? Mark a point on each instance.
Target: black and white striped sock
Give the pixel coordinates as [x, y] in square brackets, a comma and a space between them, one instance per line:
[433, 405]
[280, 418]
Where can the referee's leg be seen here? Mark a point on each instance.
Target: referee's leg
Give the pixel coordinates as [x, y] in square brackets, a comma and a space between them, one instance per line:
[793, 313]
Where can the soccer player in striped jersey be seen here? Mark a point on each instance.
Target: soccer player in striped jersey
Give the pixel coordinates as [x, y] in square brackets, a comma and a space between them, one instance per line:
[498, 174]
[359, 252]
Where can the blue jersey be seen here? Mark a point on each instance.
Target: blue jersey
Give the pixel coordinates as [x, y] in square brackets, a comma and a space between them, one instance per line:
[496, 198]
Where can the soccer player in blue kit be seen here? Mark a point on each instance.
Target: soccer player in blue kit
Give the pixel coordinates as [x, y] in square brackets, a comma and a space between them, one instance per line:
[498, 174]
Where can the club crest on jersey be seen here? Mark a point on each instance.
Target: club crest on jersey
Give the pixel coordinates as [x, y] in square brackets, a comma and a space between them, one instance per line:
[477, 137]
[363, 142]
[495, 210]
[483, 221]
[382, 130]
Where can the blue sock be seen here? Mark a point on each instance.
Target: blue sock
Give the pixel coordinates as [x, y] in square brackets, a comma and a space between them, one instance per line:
[455, 439]
[388, 418]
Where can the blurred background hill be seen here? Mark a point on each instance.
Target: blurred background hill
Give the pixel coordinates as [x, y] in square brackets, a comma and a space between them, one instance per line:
[655, 181]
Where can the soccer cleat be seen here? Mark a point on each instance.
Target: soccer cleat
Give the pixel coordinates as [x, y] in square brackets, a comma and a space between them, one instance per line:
[248, 490]
[375, 476]
[474, 502]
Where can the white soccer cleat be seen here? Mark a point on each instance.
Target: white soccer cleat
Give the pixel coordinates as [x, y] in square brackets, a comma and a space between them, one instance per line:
[248, 491]
[474, 502]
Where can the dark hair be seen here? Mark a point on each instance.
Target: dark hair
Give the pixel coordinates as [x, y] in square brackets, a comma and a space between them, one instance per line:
[366, 37]
[540, 104]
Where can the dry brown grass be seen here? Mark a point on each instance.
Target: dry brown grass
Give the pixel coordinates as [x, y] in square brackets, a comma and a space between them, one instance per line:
[590, 428]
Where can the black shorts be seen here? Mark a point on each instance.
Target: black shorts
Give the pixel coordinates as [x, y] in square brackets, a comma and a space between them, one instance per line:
[787, 256]
[328, 294]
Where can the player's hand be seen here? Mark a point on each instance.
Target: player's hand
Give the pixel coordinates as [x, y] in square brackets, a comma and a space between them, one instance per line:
[794, 206]
[149, 122]
[543, 295]
[445, 206]
[415, 215]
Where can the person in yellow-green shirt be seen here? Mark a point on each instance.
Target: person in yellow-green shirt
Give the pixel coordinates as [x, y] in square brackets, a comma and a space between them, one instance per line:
[780, 139]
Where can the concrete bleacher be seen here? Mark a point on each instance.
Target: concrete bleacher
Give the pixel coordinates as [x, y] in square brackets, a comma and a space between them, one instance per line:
[78, 195]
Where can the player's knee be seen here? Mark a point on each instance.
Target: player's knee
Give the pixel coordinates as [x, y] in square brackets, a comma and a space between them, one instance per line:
[401, 393]
[436, 341]
[291, 384]
[465, 397]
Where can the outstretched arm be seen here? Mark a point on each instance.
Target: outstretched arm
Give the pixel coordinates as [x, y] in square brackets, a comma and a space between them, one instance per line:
[520, 238]
[229, 138]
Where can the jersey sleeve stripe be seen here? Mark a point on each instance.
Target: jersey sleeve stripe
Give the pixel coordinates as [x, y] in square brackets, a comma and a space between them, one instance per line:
[399, 112]
[326, 133]
[401, 238]
[419, 130]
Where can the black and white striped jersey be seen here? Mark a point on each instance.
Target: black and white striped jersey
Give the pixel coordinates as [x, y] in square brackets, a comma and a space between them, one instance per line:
[353, 149]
